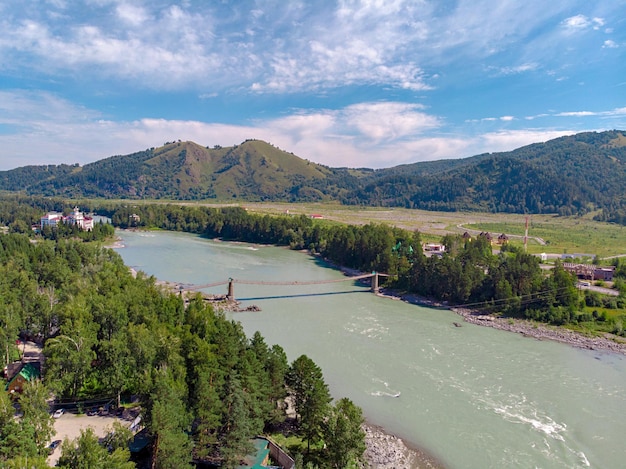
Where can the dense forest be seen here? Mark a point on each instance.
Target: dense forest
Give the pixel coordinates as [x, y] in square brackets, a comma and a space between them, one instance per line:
[571, 175]
[204, 388]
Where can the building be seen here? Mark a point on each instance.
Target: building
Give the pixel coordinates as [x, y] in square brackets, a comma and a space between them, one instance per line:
[78, 218]
[434, 247]
[134, 219]
[52, 219]
[28, 373]
[590, 272]
[487, 236]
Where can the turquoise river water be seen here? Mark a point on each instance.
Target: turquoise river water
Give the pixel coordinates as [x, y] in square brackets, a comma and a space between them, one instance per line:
[473, 397]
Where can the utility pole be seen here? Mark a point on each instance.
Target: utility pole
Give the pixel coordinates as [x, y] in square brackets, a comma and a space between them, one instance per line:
[526, 236]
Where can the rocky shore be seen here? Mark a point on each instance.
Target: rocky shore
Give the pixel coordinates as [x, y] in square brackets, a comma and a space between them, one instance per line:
[385, 451]
[539, 331]
[545, 332]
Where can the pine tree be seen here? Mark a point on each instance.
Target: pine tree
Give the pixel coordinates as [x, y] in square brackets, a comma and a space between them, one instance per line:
[311, 397]
[343, 435]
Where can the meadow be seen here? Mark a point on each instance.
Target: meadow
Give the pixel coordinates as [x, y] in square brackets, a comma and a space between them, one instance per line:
[550, 234]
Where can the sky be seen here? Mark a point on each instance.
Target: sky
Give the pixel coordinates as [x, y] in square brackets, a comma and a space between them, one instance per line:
[356, 83]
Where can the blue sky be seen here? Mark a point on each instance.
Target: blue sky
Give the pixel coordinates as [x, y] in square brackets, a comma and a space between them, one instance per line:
[370, 83]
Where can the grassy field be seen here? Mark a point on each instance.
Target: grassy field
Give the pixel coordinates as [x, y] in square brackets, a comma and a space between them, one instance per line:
[547, 233]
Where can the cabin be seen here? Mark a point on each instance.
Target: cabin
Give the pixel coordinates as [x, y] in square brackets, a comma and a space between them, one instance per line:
[487, 236]
[503, 239]
[29, 372]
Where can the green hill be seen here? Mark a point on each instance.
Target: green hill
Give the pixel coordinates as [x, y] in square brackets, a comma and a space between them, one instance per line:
[254, 170]
[568, 175]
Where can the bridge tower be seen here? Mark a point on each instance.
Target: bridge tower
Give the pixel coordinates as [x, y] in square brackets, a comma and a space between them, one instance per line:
[230, 296]
[374, 282]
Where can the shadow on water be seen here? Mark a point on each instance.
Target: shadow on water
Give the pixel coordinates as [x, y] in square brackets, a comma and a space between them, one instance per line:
[301, 295]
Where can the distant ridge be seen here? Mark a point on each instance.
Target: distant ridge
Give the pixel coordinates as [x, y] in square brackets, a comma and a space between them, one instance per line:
[568, 175]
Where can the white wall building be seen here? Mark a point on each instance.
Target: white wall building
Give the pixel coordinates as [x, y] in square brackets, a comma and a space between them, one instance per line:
[75, 218]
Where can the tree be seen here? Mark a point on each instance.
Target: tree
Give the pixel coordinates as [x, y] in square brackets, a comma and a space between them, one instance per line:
[118, 437]
[311, 397]
[86, 453]
[343, 435]
[26, 462]
[167, 421]
[69, 356]
[36, 415]
[238, 424]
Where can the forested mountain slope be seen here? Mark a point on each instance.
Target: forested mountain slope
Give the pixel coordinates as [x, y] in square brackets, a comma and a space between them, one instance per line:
[254, 170]
[568, 175]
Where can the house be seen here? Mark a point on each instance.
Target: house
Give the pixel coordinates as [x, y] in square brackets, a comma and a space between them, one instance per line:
[503, 239]
[28, 373]
[134, 219]
[487, 236]
[434, 247]
[317, 216]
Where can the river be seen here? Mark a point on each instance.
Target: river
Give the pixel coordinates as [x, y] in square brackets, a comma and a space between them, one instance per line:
[473, 397]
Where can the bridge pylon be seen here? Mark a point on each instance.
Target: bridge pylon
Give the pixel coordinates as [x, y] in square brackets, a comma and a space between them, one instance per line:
[230, 296]
[375, 287]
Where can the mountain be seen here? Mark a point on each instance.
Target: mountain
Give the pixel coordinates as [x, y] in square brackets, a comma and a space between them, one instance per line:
[567, 175]
[254, 170]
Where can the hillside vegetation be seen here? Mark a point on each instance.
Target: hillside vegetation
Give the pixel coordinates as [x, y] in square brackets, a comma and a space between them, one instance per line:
[570, 175]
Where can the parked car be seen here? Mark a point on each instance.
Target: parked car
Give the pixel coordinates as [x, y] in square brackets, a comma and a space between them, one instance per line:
[58, 413]
[53, 446]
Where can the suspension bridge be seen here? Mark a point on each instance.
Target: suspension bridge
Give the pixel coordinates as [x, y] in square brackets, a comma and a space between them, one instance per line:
[230, 295]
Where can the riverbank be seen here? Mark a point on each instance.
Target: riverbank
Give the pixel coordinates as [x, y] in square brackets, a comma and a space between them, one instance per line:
[524, 327]
[387, 451]
[544, 332]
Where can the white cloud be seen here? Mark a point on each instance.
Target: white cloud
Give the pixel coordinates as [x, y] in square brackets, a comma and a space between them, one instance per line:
[609, 44]
[132, 14]
[582, 22]
[387, 121]
[576, 114]
[377, 134]
[508, 140]
[526, 67]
